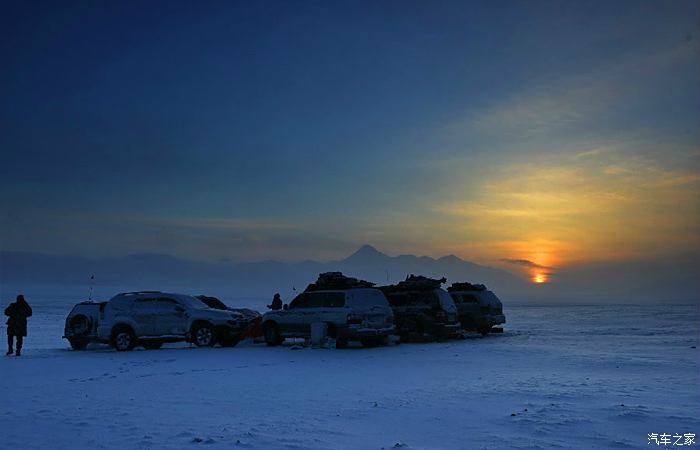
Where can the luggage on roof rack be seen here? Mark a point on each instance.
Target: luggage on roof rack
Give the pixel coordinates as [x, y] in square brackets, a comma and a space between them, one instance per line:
[336, 280]
[466, 286]
[415, 283]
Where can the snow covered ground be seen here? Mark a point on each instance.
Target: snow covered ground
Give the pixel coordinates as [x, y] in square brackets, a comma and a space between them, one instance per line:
[567, 377]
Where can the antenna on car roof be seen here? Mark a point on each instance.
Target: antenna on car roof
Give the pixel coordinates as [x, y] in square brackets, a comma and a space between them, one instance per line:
[92, 279]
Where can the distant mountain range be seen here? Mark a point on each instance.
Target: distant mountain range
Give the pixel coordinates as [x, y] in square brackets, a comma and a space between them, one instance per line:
[150, 271]
[670, 281]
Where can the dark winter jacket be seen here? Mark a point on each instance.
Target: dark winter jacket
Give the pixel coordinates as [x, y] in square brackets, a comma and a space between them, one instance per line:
[17, 321]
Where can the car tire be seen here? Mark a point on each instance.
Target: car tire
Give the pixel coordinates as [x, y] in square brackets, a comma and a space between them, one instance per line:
[78, 344]
[123, 338]
[272, 334]
[341, 343]
[203, 335]
[484, 330]
[152, 345]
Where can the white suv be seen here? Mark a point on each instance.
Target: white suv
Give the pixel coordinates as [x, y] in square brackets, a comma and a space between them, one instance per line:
[361, 314]
[151, 318]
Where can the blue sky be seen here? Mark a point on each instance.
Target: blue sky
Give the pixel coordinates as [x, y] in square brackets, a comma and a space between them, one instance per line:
[294, 130]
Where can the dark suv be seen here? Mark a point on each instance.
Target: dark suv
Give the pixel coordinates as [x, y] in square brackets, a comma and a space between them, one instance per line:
[422, 310]
[479, 309]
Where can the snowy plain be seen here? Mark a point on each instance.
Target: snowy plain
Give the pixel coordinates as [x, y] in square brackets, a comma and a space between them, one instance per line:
[559, 377]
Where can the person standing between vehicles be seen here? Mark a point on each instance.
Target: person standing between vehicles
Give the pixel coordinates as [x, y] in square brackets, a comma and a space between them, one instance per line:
[276, 303]
[17, 314]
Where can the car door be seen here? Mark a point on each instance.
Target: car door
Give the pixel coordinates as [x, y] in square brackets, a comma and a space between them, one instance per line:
[291, 321]
[145, 315]
[171, 317]
[312, 312]
[332, 308]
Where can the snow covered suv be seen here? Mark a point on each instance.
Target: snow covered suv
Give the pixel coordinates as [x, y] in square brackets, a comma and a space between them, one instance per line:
[151, 318]
[478, 308]
[422, 309]
[350, 309]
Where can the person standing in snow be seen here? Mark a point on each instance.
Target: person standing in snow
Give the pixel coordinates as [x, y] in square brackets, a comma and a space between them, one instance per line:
[17, 314]
[276, 303]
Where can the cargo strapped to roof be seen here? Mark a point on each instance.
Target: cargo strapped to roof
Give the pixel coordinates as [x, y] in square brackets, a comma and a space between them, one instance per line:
[466, 286]
[336, 280]
[415, 283]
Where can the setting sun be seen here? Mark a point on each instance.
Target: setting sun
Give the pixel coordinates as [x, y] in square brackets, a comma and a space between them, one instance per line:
[539, 278]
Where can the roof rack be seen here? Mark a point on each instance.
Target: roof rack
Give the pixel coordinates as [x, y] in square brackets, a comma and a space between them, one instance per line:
[336, 280]
[466, 286]
[140, 292]
[415, 283]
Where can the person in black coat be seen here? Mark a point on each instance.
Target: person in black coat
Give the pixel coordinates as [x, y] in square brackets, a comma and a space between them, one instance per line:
[17, 314]
[276, 303]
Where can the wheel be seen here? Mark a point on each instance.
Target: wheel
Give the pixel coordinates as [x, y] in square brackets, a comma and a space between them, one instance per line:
[272, 334]
[229, 342]
[152, 345]
[80, 325]
[484, 330]
[78, 344]
[203, 335]
[123, 339]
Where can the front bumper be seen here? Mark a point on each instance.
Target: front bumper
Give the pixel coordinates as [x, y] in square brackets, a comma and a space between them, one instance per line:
[359, 332]
[229, 331]
[490, 320]
[449, 329]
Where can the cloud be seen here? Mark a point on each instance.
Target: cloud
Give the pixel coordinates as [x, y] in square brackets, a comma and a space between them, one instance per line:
[527, 264]
[582, 101]
[561, 210]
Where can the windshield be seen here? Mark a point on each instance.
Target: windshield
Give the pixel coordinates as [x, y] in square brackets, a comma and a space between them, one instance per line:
[192, 302]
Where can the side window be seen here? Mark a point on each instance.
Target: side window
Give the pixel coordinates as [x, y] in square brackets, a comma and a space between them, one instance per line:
[469, 298]
[301, 301]
[316, 299]
[334, 300]
[144, 304]
[167, 304]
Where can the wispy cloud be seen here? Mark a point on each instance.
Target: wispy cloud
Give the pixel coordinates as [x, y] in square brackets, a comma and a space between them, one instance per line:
[578, 101]
[527, 264]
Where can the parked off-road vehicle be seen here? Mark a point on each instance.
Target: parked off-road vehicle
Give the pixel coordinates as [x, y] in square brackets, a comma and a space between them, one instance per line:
[151, 318]
[81, 324]
[479, 309]
[351, 309]
[422, 310]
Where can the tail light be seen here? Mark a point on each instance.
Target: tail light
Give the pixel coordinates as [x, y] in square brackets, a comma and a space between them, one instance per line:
[354, 320]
